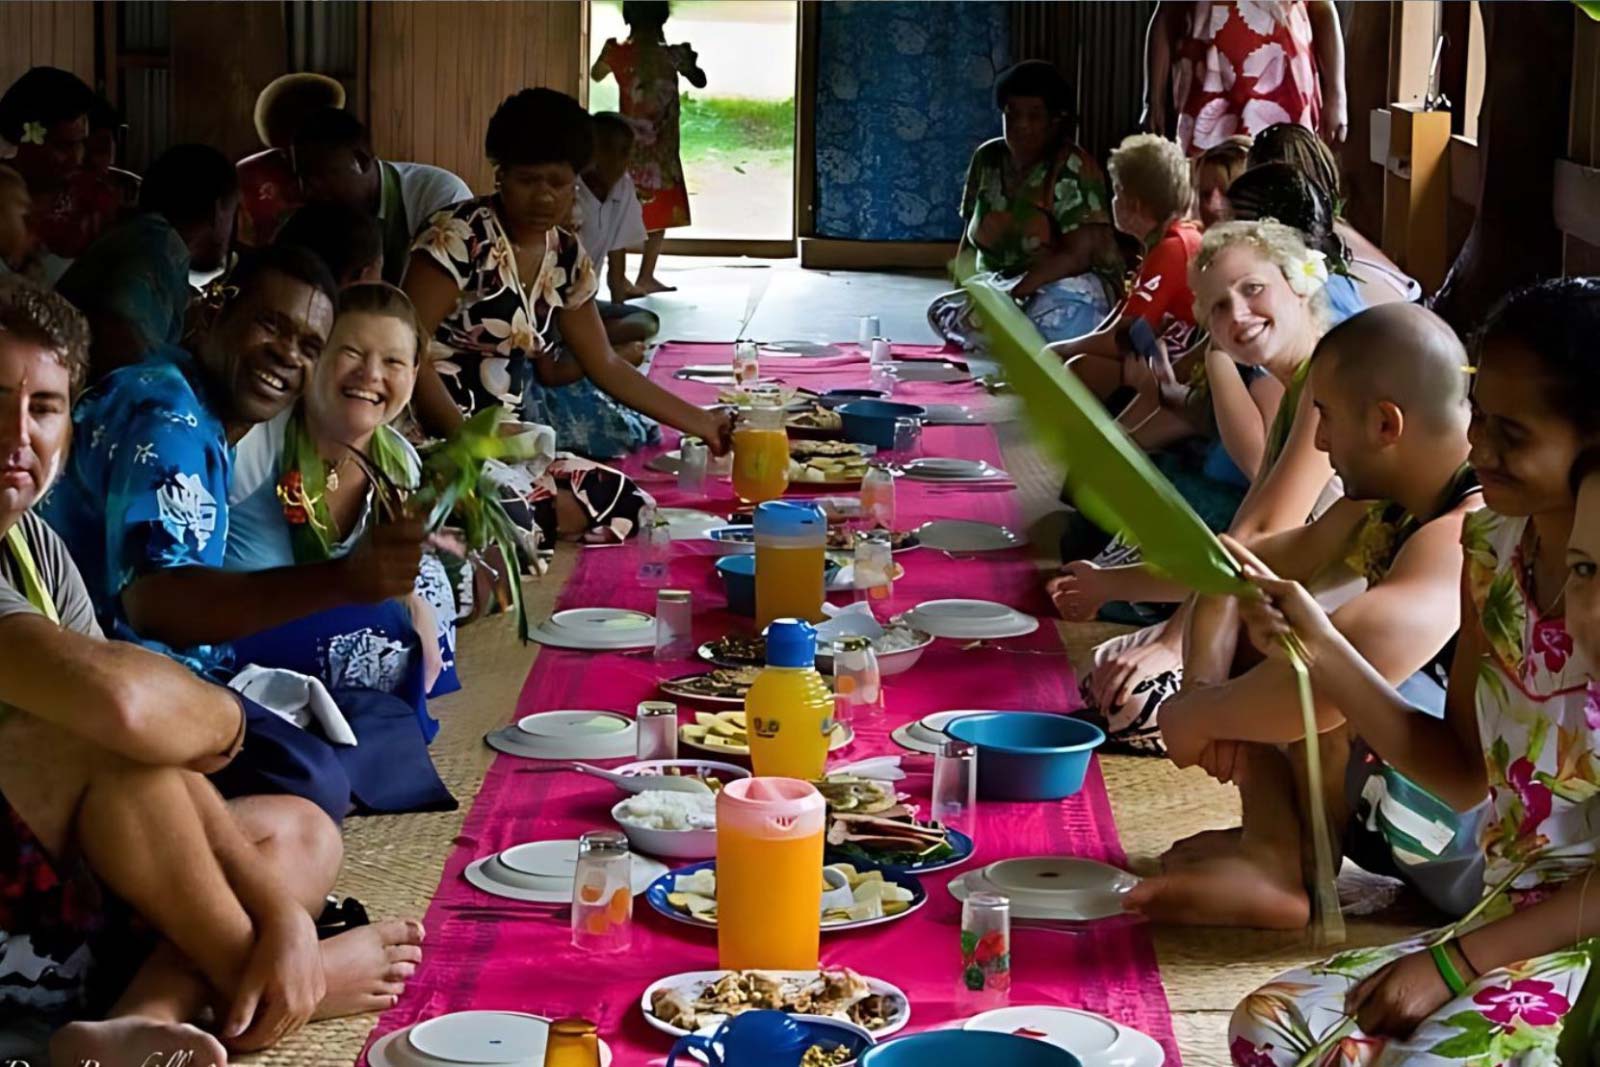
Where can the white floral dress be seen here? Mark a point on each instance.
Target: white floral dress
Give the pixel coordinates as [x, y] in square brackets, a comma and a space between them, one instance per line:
[1539, 720]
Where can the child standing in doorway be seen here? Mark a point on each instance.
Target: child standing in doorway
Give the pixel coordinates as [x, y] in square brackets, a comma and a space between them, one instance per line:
[647, 71]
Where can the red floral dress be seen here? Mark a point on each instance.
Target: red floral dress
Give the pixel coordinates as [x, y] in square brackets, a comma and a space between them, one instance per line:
[1243, 66]
[647, 89]
[1539, 721]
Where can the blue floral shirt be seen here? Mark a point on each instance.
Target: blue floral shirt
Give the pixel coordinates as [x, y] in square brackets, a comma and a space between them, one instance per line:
[145, 489]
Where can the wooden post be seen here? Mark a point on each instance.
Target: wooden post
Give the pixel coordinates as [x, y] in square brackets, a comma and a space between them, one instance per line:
[1416, 193]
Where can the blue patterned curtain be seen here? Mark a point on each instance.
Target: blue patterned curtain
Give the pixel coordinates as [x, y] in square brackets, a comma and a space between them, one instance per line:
[904, 94]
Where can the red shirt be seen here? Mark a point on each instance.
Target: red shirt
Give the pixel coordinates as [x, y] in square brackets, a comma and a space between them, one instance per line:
[1160, 294]
[268, 192]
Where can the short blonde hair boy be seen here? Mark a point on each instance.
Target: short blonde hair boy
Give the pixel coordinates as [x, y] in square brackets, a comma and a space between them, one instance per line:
[1155, 172]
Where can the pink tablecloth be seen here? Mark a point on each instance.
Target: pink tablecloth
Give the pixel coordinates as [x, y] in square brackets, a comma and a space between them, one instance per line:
[528, 964]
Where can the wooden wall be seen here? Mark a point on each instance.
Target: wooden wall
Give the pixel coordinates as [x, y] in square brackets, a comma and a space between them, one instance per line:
[438, 71]
[50, 33]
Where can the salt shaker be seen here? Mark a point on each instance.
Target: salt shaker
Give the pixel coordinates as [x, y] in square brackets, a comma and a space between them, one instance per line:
[857, 685]
[985, 953]
[674, 624]
[602, 893]
[693, 459]
[874, 566]
[656, 726]
[877, 498]
[746, 363]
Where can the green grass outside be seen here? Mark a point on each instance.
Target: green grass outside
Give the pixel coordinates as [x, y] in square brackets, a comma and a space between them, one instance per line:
[723, 129]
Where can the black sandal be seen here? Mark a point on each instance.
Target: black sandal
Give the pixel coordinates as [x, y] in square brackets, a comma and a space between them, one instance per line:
[338, 918]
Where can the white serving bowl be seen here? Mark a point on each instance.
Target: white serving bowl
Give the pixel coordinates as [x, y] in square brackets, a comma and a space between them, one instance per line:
[671, 844]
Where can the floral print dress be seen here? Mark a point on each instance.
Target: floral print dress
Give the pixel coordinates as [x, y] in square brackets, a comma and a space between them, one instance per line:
[1013, 219]
[484, 352]
[1539, 720]
[1241, 67]
[647, 93]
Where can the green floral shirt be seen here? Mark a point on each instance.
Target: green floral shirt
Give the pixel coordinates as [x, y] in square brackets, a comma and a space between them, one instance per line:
[1012, 220]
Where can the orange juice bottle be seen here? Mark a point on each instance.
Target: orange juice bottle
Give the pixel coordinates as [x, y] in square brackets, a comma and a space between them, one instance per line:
[769, 874]
[791, 543]
[789, 707]
[761, 455]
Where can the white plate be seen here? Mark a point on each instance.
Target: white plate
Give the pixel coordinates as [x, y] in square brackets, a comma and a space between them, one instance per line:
[664, 462]
[927, 733]
[967, 535]
[692, 979]
[567, 735]
[466, 1036]
[1098, 895]
[1094, 1039]
[928, 370]
[687, 524]
[561, 639]
[601, 625]
[950, 415]
[983, 620]
[524, 872]
[724, 772]
[953, 470]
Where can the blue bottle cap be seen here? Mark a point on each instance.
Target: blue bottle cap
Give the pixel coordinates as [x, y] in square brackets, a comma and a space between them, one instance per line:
[784, 518]
[791, 643]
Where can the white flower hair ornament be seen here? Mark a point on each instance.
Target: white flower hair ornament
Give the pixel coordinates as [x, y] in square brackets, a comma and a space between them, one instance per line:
[33, 133]
[1308, 275]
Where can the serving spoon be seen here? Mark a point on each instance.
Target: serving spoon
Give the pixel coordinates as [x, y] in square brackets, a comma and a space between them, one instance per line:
[639, 783]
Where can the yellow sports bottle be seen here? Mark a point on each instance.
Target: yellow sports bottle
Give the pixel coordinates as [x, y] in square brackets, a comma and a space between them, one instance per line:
[789, 708]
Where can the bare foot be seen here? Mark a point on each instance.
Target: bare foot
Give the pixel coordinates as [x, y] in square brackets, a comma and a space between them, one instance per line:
[367, 967]
[651, 284]
[1236, 890]
[633, 352]
[133, 1040]
[629, 291]
[1201, 846]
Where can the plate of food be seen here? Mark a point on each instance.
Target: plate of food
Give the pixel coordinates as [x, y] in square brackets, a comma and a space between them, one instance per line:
[844, 540]
[725, 733]
[725, 686]
[735, 650]
[870, 826]
[699, 1001]
[689, 895]
[825, 464]
[814, 422]
[898, 650]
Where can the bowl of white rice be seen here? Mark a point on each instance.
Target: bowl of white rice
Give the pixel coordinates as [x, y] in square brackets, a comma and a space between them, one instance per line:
[672, 825]
[898, 650]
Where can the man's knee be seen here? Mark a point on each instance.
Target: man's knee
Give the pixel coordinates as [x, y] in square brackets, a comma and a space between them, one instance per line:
[295, 833]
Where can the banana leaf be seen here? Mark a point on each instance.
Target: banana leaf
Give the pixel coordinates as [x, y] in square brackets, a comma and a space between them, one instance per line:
[1590, 8]
[1115, 485]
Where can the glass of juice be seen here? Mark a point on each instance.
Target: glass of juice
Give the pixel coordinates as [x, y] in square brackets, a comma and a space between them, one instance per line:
[760, 455]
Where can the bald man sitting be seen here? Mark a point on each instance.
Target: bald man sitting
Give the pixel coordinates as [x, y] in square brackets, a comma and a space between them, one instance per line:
[1390, 386]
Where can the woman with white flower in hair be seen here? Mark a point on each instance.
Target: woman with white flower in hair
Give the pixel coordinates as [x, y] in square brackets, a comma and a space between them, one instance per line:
[1262, 297]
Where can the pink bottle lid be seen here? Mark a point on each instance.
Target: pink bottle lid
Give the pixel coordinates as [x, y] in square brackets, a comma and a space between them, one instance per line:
[778, 809]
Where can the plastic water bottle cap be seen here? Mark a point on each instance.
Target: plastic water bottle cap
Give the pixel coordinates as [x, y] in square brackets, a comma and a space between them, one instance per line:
[791, 643]
[785, 519]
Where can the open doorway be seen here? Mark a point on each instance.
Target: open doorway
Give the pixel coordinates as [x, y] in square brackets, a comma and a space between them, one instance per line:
[737, 134]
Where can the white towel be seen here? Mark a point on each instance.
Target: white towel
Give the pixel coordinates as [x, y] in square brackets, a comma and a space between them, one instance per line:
[294, 697]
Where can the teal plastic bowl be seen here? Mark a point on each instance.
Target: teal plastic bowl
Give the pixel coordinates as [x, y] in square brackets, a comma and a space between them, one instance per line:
[958, 1048]
[738, 575]
[1028, 755]
[871, 422]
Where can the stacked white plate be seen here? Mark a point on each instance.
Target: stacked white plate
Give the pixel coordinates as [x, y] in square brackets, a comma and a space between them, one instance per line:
[1062, 888]
[567, 735]
[1094, 1039]
[967, 535]
[597, 630]
[928, 370]
[479, 1038]
[541, 872]
[802, 349]
[927, 733]
[970, 620]
[939, 469]
[950, 415]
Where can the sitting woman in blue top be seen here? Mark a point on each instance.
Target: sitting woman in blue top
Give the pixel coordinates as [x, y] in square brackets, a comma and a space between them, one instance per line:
[302, 493]
[143, 503]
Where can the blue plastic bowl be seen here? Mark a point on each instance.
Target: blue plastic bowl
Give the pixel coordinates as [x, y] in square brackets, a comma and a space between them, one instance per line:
[1028, 755]
[871, 422]
[966, 1047]
[739, 581]
[834, 397]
